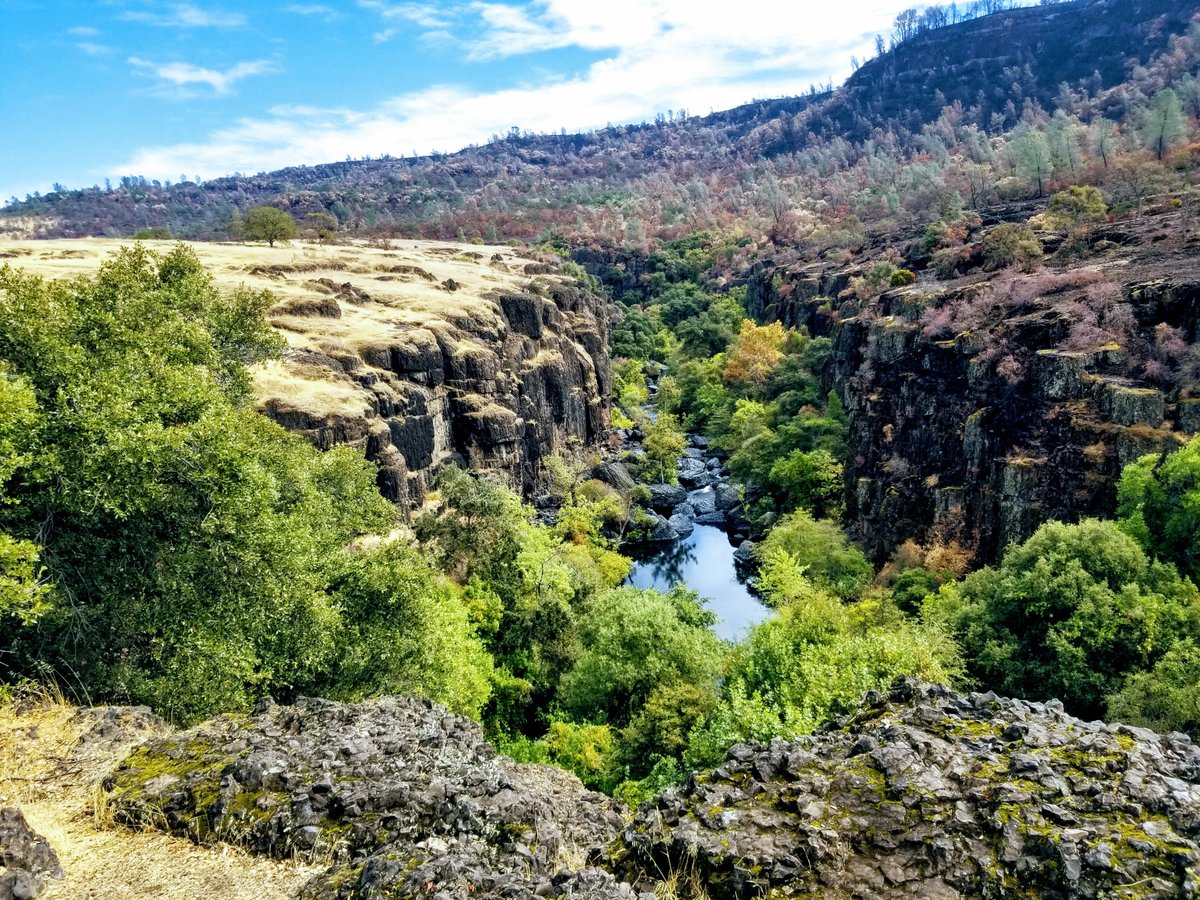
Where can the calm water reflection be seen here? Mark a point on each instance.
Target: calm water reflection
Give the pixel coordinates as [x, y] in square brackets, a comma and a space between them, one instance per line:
[702, 561]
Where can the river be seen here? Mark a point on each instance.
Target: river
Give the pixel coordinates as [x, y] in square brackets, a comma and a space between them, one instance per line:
[702, 561]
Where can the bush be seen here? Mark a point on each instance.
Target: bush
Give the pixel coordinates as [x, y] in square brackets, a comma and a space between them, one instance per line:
[822, 550]
[903, 277]
[1011, 245]
[191, 536]
[1167, 698]
[406, 630]
[1159, 504]
[635, 642]
[1075, 207]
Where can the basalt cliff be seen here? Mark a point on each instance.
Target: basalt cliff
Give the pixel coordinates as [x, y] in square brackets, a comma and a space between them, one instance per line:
[982, 404]
[416, 354]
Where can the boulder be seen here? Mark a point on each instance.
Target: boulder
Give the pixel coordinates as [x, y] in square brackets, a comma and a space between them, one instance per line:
[744, 554]
[403, 796]
[665, 497]
[692, 472]
[682, 525]
[660, 529]
[703, 501]
[615, 475]
[26, 858]
[728, 496]
[686, 510]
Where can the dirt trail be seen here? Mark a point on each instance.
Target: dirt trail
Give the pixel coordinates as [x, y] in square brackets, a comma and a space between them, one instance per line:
[52, 755]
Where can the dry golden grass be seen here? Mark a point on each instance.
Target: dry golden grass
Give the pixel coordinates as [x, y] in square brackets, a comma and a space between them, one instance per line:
[406, 285]
[45, 773]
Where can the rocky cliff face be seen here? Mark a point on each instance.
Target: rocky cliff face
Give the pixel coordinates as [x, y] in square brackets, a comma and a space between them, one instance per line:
[920, 793]
[480, 358]
[417, 354]
[981, 407]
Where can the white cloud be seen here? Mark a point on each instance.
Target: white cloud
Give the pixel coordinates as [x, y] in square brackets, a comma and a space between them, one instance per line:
[187, 15]
[92, 49]
[657, 55]
[428, 16]
[180, 76]
[314, 10]
[83, 31]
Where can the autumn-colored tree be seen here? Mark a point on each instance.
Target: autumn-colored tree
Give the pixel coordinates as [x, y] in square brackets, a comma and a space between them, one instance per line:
[756, 352]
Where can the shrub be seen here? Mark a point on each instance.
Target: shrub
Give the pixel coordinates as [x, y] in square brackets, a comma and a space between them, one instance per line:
[191, 536]
[827, 557]
[635, 642]
[1011, 245]
[902, 277]
[1158, 502]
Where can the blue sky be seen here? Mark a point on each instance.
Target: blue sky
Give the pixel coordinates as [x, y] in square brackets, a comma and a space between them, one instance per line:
[95, 90]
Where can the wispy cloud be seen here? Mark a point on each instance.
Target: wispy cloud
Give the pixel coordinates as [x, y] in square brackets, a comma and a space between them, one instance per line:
[186, 15]
[83, 31]
[180, 77]
[94, 49]
[427, 16]
[313, 10]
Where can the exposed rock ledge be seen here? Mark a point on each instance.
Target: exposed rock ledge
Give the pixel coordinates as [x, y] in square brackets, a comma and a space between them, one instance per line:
[922, 792]
[415, 354]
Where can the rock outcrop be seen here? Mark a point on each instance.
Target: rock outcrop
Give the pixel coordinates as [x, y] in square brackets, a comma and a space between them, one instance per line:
[921, 792]
[26, 858]
[403, 797]
[927, 793]
[1008, 412]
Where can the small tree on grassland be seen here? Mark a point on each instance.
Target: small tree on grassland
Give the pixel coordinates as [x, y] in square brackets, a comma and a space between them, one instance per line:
[266, 223]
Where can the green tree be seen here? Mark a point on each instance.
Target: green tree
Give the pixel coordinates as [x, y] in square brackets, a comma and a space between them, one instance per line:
[1034, 153]
[405, 629]
[663, 442]
[634, 642]
[187, 536]
[1158, 502]
[1163, 123]
[1068, 614]
[266, 223]
[822, 550]
[1167, 698]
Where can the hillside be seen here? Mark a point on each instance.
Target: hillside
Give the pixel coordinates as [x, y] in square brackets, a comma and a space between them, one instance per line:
[630, 183]
[416, 354]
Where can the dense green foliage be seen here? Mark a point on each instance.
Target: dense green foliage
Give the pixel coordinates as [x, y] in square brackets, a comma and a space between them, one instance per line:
[184, 534]
[753, 390]
[1070, 613]
[1159, 504]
